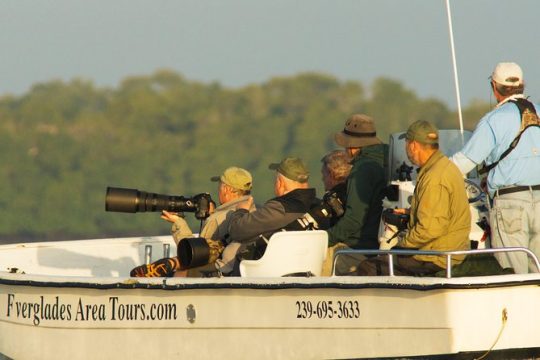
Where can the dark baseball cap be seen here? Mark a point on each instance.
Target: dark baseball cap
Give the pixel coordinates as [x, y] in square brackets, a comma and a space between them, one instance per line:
[422, 131]
[292, 168]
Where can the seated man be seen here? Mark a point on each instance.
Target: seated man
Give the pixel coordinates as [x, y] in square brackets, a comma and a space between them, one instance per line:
[336, 166]
[234, 187]
[440, 218]
[335, 169]
[293, 199]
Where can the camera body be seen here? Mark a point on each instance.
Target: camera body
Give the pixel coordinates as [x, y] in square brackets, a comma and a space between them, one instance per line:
[398, 220]
[133, 201]
[317, 217]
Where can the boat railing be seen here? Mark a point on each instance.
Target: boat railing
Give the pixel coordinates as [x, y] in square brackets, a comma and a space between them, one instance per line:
[447, 254]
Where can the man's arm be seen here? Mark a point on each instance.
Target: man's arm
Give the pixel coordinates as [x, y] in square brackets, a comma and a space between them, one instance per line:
[463, 163]
[245, 226]
[180, 229]
[478, 148]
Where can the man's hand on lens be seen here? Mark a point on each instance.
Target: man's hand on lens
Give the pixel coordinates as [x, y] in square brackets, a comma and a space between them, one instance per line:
[171, 217]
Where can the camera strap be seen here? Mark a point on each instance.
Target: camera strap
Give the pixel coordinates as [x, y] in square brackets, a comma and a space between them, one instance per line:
[201, 226]
[528, 118]
[393, 236]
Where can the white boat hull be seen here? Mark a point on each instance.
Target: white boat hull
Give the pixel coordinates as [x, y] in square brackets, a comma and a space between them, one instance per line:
[81, 317]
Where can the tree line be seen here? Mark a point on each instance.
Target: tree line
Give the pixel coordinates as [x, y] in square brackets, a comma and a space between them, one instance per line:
[63, 143]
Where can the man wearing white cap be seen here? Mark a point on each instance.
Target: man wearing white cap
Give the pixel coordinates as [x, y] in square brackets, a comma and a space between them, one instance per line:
[510, 147]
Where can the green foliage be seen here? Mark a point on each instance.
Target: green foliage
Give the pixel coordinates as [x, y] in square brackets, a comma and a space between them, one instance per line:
[62, 144]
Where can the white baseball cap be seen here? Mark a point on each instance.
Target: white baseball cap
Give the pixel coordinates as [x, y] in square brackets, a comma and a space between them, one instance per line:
[508, 74]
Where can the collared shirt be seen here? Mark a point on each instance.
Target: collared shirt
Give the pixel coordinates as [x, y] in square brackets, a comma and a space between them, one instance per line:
[493, 136]
[216, 227]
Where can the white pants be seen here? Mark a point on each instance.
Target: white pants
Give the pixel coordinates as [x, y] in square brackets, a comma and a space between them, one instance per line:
[515, 222]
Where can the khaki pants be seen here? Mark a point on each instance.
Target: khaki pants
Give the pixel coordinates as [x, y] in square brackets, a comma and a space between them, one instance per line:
[329, 262]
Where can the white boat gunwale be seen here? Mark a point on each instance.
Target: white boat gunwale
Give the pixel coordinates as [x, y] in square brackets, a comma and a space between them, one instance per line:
[335, 282]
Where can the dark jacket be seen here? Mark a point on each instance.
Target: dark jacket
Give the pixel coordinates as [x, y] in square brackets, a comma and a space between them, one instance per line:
[366, 184]
[247, 227]
[340, 190]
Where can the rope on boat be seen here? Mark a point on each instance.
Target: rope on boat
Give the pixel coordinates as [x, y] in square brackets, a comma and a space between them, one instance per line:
[504, 318]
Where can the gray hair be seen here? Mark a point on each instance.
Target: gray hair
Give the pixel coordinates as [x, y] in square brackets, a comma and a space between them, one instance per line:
[338, 165]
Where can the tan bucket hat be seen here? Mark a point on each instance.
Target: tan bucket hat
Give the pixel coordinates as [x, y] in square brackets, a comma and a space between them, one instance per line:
[359, 131]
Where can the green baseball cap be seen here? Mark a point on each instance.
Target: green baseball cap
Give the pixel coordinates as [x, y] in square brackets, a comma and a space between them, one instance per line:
[292, 168]
[422, 131]
[235, 177]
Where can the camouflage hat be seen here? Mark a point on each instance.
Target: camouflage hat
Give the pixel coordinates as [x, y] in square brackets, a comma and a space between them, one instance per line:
[422, 131]
[292, 168]
[236, 178]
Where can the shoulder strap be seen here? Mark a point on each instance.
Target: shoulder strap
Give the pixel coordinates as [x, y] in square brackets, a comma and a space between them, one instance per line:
[528, 117]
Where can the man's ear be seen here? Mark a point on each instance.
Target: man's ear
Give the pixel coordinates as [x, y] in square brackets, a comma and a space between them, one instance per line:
[280, 183]
[229, 188]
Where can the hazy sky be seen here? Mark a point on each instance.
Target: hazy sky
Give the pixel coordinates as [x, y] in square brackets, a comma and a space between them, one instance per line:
[237, 42]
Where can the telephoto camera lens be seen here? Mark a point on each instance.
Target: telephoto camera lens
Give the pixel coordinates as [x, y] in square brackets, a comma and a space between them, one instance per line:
[133, 200]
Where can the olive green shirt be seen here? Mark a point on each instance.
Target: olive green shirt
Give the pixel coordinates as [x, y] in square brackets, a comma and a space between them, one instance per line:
[440, 215]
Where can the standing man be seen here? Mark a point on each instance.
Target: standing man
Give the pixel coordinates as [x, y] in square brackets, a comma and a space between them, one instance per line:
[513, 178]
[358, 227]
[440, 218]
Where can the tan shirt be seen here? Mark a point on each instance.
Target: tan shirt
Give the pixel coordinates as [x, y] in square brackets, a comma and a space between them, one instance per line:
[216, 227]
[440, 215]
